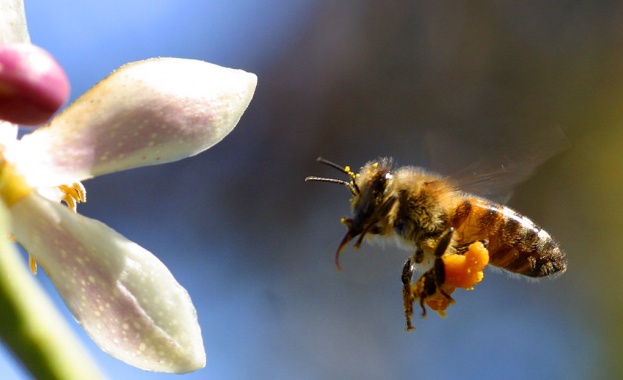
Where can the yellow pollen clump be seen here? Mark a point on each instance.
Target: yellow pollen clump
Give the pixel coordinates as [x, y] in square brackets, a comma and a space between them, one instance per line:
[438, 301]
[465, 271]
[461, 271]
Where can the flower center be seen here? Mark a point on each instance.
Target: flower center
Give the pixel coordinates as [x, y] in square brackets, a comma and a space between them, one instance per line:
[13, 187]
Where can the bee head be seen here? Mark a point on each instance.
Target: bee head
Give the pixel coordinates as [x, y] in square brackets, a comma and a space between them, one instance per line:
[369, 202]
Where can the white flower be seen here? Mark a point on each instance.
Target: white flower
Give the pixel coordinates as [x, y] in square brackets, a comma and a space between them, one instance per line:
[145, 113]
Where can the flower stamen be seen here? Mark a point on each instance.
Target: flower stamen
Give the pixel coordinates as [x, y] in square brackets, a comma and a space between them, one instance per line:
[32, 263]
[73, 194]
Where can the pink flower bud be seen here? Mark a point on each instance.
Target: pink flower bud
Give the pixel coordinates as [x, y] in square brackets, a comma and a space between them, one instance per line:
[33, 86]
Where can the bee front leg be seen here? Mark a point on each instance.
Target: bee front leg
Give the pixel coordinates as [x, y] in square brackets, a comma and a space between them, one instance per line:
[408, 295]
[410, 291]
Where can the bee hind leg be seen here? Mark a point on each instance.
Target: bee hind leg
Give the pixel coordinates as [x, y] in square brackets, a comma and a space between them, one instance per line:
[428, 286]
[462, 248]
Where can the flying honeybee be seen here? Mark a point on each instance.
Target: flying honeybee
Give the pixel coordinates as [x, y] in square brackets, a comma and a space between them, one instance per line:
[425, 213]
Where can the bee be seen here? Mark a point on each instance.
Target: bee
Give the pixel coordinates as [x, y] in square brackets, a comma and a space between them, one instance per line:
[428, 215]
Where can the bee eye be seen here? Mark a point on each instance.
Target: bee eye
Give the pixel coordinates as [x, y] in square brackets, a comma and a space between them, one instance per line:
[379, 184]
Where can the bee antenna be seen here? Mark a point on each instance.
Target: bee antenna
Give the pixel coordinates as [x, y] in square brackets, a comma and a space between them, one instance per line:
[331, 164]
[344, 169]
[353, 188]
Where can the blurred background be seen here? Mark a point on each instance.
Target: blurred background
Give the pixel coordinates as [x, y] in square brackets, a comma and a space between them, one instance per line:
[351, 81]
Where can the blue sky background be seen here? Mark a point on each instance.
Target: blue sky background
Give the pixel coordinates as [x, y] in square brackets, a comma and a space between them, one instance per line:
[254, 245]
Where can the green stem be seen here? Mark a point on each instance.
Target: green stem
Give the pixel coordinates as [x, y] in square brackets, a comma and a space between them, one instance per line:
[31, 326]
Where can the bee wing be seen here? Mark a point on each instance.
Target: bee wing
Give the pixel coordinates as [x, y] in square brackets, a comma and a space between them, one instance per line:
[490, 162]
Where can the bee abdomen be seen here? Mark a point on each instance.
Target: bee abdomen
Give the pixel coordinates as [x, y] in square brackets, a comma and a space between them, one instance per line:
[515, 242]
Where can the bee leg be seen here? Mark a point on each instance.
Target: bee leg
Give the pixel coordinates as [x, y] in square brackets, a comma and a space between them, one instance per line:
[439, 277]
[429, 283]
[462, 248]
[439, 268]
[444, 242]
[426, 287]
[408, 296]
[418, 256]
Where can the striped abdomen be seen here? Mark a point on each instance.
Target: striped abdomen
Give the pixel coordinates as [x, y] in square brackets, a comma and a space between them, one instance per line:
[515, 242]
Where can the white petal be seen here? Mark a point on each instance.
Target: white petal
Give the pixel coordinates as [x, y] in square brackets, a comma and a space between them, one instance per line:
[13, 22]
[122, 295]
[145, 113]
[27, 308]
[8, 133]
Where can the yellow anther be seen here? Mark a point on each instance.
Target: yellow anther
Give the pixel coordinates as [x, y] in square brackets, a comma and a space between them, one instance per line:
[32, 263]
[13, 188]
[72, 195]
